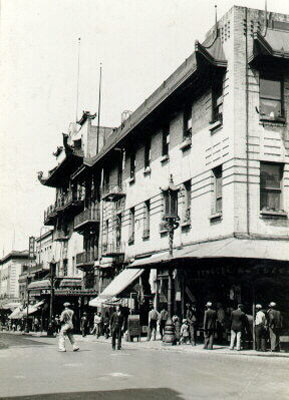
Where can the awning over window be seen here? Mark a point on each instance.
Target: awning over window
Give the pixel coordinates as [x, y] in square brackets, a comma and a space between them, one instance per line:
[16, 314]
[226, 248]
[70, 282]
[36, 285]
[118, 285]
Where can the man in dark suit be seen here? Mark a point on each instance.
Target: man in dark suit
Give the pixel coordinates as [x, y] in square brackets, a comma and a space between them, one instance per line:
[116, 327]
[210, 320]
[239, 324]
[274, 324]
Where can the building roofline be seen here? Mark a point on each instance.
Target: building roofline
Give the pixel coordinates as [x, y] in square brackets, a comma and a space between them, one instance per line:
[14, 254]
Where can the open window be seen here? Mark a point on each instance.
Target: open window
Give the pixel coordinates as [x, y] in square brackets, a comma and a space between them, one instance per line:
[271, 176]
[271, 98]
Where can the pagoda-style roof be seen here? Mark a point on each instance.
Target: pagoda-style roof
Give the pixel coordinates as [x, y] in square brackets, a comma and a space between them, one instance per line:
[208, 55]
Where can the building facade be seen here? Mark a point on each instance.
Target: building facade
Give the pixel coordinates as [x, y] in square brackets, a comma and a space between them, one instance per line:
[218, 126]
[10, 270]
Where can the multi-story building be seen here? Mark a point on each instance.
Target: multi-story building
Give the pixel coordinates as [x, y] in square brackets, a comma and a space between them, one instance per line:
[10, 270]
[75, 214]
[219, 126]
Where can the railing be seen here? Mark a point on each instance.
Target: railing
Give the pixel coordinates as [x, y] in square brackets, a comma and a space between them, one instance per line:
[50, 212]
[113, 248]
[88, 215]
[67, 199]
[112, 192]
[86, 257]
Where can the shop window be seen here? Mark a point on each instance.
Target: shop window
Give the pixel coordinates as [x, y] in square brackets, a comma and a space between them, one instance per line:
[165, 140]
[218, 190]
[131, 225]
[271, 98]
[217, 100]
[186, 212]
[146, 225]
[271, 186]
[187, 127]
[147, 153]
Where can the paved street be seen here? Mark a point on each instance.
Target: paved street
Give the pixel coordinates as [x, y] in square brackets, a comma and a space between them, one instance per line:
[32, 366]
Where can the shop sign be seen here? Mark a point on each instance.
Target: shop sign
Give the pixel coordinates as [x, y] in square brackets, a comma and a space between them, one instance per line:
[45, 291]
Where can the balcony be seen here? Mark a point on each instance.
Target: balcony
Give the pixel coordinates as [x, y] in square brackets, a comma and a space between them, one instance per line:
[60, 236]
[87, 219]
[113, 192]
[69, 202]
[85, 260]
[50, 215]
[113, 249]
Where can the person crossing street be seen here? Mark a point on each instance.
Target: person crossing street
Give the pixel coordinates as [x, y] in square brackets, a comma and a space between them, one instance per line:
[66, 319]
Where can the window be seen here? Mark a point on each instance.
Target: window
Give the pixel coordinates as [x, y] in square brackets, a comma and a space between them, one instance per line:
[147, 153]
[186, 214]
[65, 267]
[271, 98]
[118, 230]
[106, 181]
[187, 132]
[218, 206]
[217, 100]
[166, 140]
[131, 225]
[132, 165]
[146, 225]
[270, 186]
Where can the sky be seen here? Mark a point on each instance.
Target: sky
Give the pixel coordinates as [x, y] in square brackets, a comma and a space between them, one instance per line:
[139, 43]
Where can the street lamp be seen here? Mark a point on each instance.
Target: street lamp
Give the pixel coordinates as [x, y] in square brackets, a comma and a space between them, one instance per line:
[52, 267]
[171, 219]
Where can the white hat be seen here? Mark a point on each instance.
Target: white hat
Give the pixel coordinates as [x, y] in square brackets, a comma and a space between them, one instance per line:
[67, 304]
[209, 304]
[258, 306]
[272, 304]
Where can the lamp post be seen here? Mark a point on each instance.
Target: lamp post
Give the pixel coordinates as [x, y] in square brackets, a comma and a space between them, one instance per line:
[52, 276]
[171, 218]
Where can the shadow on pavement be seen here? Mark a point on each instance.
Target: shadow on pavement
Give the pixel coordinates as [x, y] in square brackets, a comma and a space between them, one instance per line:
[125, 394]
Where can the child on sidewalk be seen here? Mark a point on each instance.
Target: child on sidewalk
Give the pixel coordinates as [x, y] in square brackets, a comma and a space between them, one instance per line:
[184, 332]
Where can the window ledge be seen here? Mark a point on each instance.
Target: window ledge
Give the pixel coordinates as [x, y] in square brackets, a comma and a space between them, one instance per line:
[147, 171]
[164, 158]
[278, 120]
[146, 237]
[186, 143]
[131, 180]
[186, 224]
[216, 216]
[215, 125]
[273, 214]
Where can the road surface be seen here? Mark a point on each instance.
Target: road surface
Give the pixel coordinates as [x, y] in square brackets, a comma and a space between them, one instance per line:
[32, 368]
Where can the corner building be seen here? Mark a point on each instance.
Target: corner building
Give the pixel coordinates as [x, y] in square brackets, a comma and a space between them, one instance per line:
[218, 125]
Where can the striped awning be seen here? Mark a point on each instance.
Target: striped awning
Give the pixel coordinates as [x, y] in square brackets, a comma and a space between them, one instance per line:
[70, 282]
[41, 284]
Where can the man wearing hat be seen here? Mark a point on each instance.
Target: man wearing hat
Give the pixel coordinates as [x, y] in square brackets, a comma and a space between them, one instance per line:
[66, 319]
[275, 324]
[260, 328]
[210, 320]
[239, 323]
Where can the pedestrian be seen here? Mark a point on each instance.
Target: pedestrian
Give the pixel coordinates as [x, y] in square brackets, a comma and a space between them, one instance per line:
[185, 332]
[221, 317]
[106, 325]
[191, 317]
[238, 325]
[162, 321]
[274, 324]
[97, 324]
[57, 324]
[260, 328]
[36, 324]
[116, 327]
[210, 319]
[84, 324]
[177, 329]
[153, 318]
[66, 319]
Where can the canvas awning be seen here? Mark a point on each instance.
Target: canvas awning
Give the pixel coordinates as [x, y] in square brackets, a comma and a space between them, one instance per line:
[32, 308]
[42, 284]
[70, 282]
[118, 285]
[16, 314]
[226, 248]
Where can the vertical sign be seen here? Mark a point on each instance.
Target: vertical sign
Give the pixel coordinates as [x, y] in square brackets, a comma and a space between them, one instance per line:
[31, 247]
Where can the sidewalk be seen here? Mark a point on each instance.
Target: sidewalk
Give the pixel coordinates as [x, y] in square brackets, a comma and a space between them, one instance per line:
[158, 345]
[185, 348]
